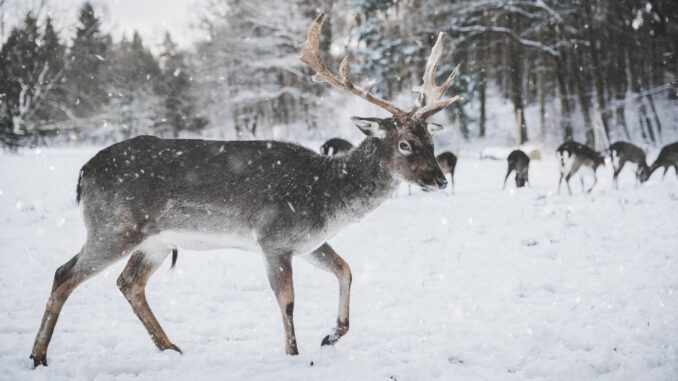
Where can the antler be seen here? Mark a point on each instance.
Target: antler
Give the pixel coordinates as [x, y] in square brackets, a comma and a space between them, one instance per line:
[429, 91]
[310, 55]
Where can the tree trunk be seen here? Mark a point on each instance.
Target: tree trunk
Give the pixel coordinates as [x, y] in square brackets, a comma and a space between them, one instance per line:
[516, 57]
[596, 44]
[565, 109]
[482, 87]
[584, 101]
[542, 101]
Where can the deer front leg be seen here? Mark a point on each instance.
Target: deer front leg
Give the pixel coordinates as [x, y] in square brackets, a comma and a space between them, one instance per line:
[327, 259]
[509, 172]
[279, 271]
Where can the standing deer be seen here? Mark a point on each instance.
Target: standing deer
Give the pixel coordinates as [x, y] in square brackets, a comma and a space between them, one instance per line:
[623, 152]
[572, 156]
[668, 157]
[519, 162]
[335, 146]
[143, 195]
[447, 162]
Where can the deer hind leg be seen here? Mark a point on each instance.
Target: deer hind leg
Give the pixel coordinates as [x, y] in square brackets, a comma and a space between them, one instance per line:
[132, 282]
[617, 170]
[327, 259]
[279, 271]
[595, 181]
[97, 254]
[567, 182]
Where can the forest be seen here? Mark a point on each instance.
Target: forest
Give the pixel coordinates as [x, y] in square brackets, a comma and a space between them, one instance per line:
[592, 71]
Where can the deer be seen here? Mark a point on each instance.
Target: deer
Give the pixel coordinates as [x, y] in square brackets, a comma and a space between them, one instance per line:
[622, 152]
[447, 162]
[335, 146]
[668, 157]
[519, 162]
[572, 156]
[143, 196]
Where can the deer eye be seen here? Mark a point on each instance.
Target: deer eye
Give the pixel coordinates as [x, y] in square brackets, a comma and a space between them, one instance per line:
[404, 147]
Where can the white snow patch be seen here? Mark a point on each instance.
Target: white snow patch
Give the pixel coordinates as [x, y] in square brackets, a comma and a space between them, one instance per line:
[539, 286]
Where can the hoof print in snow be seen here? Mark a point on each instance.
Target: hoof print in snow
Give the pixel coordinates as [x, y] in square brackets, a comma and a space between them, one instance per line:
[530, 242]
[311, 364]
[455, 360]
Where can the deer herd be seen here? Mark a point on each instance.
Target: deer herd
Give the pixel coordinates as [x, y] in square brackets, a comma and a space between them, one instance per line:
[572, 157]
[144, 197]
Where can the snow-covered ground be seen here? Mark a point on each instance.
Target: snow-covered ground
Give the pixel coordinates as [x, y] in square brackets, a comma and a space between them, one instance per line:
[483, 284]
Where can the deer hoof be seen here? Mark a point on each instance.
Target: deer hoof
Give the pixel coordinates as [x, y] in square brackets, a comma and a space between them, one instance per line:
[39, 360]
[329, 340]
[174, 348]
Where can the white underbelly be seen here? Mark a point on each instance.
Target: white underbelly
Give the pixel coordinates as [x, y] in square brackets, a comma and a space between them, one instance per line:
[191, 240]
[586, 171]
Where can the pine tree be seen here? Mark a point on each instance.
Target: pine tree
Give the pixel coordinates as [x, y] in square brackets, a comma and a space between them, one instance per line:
[86, 87]
[31, 65]
[51, 54]
[175, 87]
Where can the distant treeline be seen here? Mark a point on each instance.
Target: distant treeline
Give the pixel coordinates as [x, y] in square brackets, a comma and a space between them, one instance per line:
[49, 86]
[597, 58]
[581, 64]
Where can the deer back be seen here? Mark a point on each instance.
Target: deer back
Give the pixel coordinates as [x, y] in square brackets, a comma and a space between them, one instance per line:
[274, 192]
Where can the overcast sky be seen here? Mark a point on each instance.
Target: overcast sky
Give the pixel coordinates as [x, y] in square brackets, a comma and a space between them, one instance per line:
[150, 17]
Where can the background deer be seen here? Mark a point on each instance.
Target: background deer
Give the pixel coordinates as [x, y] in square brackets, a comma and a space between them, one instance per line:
[572, 156]
[142, 196]
[447, 162]
[623, 152]
[668, 157]
[335, 146]
[519, 162]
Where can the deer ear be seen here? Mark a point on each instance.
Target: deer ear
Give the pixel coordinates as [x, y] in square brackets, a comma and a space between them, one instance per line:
[370, 126]
[434, 127]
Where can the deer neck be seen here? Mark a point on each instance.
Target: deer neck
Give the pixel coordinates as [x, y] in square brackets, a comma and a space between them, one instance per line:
[364, 179]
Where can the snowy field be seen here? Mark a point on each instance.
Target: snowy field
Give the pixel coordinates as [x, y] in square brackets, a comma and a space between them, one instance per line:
[484, 284]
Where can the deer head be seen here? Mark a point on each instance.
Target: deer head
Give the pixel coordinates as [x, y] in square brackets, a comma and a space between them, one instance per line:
[406, 134]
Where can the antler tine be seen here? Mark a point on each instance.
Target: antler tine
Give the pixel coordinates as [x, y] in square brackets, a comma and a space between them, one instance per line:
[433, 108]
[310, 55]
[429, 91]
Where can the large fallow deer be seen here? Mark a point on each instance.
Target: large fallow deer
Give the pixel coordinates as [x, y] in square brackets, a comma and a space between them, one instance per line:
[142, 196]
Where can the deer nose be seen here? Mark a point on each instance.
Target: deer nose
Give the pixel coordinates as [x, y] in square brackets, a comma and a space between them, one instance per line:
[441, 182]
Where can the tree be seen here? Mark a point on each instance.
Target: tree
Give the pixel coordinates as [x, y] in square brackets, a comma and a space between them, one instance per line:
[84, 77]
[249, 67]
[176, 88]
[32, 65]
